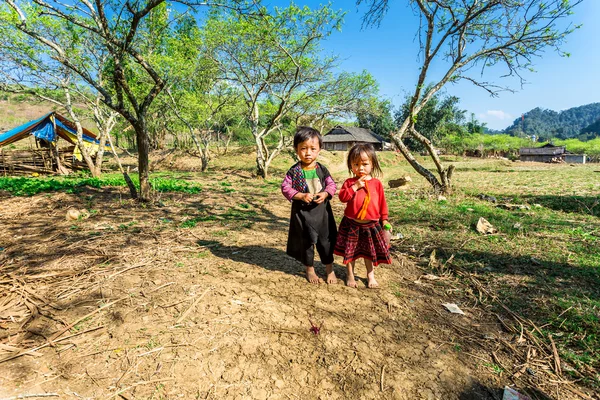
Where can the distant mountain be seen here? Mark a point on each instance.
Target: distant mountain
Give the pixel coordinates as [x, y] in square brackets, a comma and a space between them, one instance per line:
[591, 132]
[546, 124]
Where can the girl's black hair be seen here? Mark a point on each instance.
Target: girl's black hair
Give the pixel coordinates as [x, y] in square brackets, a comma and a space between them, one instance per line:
[355, 154]
[304, 133]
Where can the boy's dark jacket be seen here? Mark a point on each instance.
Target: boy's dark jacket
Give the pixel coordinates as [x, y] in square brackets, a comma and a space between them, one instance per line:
[311, 223]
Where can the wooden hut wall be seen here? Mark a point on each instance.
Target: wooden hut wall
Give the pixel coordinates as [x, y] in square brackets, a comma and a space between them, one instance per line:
[575, 158]
[539, 158]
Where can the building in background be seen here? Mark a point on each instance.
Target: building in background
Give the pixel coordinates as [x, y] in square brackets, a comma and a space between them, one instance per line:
[344, 137]
[550, 154]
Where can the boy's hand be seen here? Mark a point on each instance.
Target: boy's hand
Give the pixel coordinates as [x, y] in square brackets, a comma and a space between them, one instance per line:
[320, 197]
[308, 197]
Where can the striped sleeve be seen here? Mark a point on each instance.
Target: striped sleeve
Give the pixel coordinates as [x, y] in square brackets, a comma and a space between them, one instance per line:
[286, 188]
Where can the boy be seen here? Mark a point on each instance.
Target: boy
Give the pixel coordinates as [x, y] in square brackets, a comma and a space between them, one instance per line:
[309, 186]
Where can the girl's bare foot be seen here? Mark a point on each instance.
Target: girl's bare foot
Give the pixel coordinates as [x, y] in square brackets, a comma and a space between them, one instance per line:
[371, 282]
[350, 282]
[331, 278]
[311, 276]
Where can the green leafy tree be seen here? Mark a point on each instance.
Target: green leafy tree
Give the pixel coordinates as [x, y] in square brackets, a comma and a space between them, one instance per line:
[26, 66]
[467, 34]
[341, 96]
[195, 106]
[274, 59]
[377, 117]
[125, 33]
[474, 126]
[440, 116]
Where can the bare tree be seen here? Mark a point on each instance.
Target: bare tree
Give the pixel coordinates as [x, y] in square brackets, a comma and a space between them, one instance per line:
[470, 36]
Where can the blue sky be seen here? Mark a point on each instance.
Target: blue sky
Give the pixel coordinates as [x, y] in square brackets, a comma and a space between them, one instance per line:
[389, 53]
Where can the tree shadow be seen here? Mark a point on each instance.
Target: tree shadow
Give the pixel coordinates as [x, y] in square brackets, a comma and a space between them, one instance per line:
[561, 299]
[268, 258]
[546, 275]
[585, 205]
[479, 391]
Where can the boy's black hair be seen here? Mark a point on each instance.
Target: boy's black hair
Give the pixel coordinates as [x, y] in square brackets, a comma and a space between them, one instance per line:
[304, 133]
[369, 150]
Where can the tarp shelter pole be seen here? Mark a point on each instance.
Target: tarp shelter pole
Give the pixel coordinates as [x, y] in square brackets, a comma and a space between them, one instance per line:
[130, 184]
[54, 149]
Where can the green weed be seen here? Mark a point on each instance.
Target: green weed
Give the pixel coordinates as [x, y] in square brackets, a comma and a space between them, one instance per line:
[544, 260]
[494, 367]
[23, 186]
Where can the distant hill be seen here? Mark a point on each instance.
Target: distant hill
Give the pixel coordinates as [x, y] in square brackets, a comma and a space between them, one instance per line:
[591, 132]
[581, 121]
[16, 109]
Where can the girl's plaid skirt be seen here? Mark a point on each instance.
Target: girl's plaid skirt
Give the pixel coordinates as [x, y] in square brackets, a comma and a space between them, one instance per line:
[356, 240]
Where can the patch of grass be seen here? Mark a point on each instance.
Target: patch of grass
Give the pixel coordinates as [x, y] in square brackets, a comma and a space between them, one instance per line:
[544, 261]
[396, 290]
[152, 343]
[23, 186]
[192, 222]
[234, 214]
[124, 227]
[174, 186]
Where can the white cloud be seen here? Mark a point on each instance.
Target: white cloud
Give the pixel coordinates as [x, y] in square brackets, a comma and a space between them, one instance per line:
[497, 114]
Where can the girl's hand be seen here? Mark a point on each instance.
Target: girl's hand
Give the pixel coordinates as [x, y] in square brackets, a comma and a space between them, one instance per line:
[320, 197]
[308, 197]
[360, 183]
[387, 235]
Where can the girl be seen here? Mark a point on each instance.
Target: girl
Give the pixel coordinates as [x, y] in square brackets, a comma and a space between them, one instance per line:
[365, 231]
[309, 187]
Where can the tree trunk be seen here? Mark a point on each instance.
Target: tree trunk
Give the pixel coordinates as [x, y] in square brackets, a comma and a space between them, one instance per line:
[439, 186]
[143, 146]
[96, 172]
[261, 162]
[205, 159]
[59, 167]
[130, 185]
[261, 158]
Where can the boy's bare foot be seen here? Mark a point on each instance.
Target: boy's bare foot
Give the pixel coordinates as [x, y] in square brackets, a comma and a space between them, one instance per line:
[311, 276]
[331, 278]
[350, 282]
[371, 282]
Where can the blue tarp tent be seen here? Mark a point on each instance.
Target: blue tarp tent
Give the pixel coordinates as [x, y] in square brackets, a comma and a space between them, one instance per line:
[49, 128]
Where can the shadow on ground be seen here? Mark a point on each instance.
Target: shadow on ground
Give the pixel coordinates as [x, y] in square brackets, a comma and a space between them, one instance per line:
[586, 205]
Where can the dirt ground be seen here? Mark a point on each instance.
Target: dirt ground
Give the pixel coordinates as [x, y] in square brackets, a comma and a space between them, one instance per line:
[135, 303]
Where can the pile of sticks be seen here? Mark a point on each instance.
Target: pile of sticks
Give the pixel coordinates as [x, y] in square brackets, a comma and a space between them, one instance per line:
[41, 161]
[531, 350]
